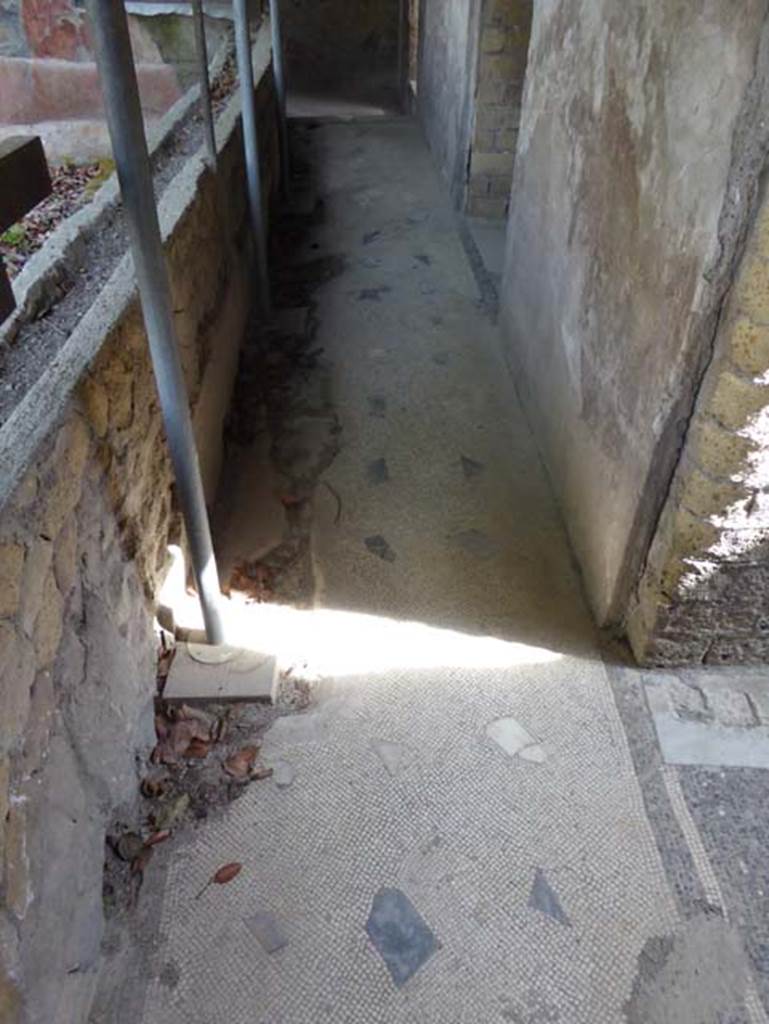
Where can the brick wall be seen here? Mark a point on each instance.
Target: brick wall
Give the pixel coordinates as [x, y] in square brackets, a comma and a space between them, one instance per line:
[505, 31]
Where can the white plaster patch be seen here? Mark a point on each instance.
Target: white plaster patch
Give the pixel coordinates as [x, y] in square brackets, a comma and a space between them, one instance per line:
[392, 755]
[514, 739]
[708, 743]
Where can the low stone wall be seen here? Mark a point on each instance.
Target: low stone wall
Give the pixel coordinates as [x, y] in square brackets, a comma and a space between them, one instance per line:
[505, 32]
[84, 526]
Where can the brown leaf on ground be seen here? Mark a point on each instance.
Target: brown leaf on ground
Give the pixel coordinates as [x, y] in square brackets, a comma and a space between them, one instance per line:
[226, 873]
[262, 773]
[240, 764]
[153, 786]
[158, 837]
[186, 713]
[182, 736]
[141, 860]
[198, 748]
[222, 876]
[254, 580]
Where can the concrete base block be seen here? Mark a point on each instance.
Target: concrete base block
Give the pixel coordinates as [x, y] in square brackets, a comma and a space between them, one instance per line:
[204, 672]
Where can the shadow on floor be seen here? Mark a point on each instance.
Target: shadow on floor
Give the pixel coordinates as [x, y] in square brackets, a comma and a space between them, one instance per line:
[378, 461]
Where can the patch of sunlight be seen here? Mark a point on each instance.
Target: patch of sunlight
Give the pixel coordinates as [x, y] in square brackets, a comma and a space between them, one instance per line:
[330, 642]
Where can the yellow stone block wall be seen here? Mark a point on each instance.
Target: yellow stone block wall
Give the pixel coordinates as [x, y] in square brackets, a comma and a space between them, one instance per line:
[504, 44]
[83, 544]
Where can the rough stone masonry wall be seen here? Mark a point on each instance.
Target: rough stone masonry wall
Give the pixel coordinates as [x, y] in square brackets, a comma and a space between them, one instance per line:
[82, 546]
[504, 46]
[704, 595]
[641, 144]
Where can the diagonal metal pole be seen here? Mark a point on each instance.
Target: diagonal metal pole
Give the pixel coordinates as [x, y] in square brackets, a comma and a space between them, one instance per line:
[129, 147]
[251, 147]
[205, 85]
[279, 71]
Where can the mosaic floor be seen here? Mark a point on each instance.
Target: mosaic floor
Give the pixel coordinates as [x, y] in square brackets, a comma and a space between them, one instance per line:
[455, 832]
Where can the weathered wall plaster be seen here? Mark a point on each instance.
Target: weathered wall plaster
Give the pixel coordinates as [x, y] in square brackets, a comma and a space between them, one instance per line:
[83, 532]
[504, 44]
[350, 51]
[448, 57]
[640, 150]
[704, 595]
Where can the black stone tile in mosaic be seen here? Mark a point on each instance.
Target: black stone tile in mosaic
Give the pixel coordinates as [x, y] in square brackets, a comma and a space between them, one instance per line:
[377, 472]
[399, 934]
[545, 899]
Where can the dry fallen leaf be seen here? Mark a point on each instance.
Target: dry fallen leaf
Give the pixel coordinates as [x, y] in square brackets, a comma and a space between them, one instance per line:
[140, 861]
[239, 764]
[225, 874]
[182, 735]
[254, 580]
[186, 713]
[153, 787]
[198, 748]
[158, 837]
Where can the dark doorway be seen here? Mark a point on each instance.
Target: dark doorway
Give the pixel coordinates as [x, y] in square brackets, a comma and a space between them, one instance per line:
[343, 57]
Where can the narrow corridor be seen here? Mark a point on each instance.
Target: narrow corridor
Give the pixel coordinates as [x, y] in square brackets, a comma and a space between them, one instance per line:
[457, 832]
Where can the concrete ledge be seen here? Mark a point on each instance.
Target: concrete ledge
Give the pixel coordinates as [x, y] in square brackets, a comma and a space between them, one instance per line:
[41, 407]
[149, 9]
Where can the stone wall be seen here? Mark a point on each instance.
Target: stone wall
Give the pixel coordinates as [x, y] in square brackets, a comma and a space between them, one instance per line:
[350, 51]
[643, 137]
[704, 595]
[504, 45]
[83, 537]
[448, 55]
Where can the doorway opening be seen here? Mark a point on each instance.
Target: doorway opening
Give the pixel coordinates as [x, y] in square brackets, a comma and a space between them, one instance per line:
[342, 60]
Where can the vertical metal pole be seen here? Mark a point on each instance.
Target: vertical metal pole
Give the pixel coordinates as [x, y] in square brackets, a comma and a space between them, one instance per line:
[278, 67]
[129, 147]
[205, 85]
[251, 146]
